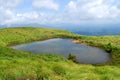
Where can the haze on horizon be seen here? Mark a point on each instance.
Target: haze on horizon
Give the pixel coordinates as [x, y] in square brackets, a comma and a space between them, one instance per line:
[59, 11]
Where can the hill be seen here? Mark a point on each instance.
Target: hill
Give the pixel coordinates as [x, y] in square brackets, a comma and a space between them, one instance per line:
[18, 65]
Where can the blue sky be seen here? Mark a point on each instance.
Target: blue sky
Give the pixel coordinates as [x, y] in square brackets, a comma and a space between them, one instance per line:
[58, 11]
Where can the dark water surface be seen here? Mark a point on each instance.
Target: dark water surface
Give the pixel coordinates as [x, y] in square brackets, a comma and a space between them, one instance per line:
[85, 54]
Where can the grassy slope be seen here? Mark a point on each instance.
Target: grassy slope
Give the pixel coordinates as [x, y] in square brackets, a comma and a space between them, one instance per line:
[22, 65]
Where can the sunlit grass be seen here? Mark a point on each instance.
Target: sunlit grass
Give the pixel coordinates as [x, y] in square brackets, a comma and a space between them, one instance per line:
[18, 65]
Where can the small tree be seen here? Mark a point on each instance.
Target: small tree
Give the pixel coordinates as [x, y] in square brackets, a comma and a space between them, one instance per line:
[72, 57]
[109, 47]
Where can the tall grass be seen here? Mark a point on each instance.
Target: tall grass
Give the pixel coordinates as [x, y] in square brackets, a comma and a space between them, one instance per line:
[18, 65]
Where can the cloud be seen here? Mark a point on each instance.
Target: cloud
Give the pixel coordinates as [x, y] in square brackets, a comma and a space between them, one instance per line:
[25, 18]
[31, 17]
[45, 4]
[10, 16]
[92, 9]
[7, 10]
[10, 4]
[50, 12]
[6, 15]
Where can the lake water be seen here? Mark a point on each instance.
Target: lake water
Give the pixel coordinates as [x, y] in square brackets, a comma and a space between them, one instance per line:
[85, 54]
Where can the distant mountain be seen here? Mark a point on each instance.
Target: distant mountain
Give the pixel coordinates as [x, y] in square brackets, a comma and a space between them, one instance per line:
[83, 29]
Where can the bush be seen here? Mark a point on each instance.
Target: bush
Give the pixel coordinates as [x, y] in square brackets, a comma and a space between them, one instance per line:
[72, 57]
[109, 48]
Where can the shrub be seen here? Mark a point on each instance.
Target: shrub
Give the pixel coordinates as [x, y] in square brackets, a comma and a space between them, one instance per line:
[72, 57]
[108, 47]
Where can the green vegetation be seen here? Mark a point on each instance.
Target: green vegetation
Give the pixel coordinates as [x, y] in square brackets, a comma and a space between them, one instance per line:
[13, 36]
[18, 65]
[109, 43]
[72, 57]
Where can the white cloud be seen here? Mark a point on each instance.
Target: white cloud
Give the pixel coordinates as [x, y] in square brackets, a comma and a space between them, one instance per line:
[92, 9]
[24, 18]
[5, 15]
[7, 10]
[10, 4]
[31, 17]
[45, 4]
[75, 11]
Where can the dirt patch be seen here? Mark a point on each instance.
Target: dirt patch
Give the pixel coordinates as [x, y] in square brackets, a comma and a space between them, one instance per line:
[80, 42]
[75, 41]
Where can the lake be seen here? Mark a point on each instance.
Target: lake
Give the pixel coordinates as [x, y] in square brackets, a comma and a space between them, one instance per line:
[63, 47]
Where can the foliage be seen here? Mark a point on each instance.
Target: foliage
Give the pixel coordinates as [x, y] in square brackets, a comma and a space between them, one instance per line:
[108, 48]
[72, 57]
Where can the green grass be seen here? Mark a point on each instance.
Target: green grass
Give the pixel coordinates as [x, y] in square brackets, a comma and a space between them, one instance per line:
[11, 36]
[18, 65]
[109, 43]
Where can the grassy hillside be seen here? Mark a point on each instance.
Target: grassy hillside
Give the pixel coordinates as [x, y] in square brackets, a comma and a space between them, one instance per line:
[18, 65]
[12, 36]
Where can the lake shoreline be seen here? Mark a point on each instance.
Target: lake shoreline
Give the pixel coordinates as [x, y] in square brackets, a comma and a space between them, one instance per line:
[64, 47]
[76, 39]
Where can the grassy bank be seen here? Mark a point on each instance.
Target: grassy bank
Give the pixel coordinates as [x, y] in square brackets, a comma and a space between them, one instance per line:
[18, 65]
[109, 43]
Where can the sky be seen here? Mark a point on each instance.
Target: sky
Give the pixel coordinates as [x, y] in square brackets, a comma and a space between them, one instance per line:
[58, 11]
